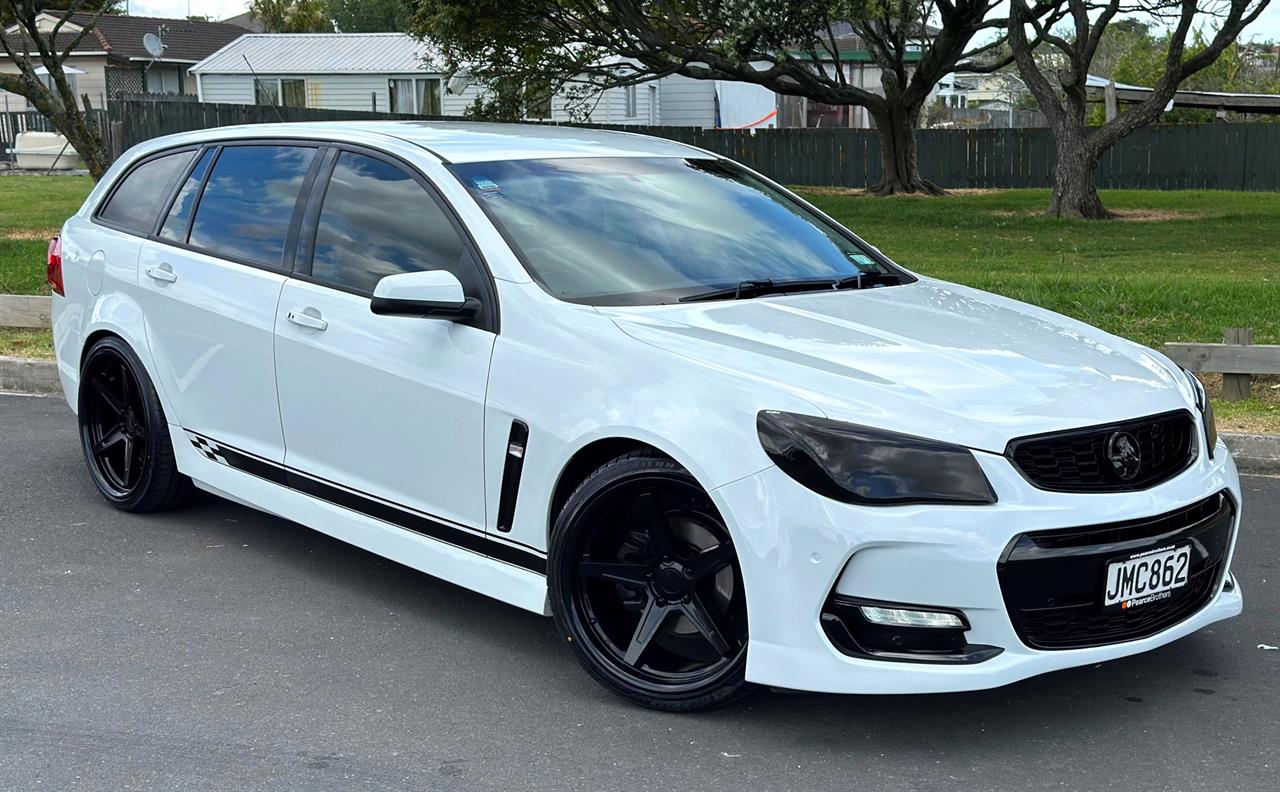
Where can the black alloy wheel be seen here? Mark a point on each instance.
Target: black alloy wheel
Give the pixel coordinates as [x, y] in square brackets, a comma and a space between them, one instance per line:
[647, 586]
[116, 423]
[124, 433]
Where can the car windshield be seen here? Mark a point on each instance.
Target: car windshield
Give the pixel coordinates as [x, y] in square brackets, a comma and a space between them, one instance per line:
[635, 231]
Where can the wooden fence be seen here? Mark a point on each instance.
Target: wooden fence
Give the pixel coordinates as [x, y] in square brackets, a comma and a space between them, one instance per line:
[1173, 157]
[1237, 359]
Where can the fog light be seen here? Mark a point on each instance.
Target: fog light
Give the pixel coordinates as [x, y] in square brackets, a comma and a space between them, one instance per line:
[898, 617]
[900, 632]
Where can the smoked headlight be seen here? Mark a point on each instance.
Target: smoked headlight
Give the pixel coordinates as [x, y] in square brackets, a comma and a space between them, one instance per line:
[869, 466]
[1206, 412]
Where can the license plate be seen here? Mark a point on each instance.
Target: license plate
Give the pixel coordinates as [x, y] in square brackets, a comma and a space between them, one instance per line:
[1144, 578]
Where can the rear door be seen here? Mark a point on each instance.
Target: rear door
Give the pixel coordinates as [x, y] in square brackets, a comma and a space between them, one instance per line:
[384, 411]
[211, 279]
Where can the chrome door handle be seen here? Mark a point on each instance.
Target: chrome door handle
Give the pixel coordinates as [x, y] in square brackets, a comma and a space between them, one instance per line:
[309, 318]
[161, 273]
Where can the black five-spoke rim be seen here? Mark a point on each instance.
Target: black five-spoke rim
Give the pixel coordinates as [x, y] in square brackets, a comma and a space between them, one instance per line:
[116, 423]
[656, 586]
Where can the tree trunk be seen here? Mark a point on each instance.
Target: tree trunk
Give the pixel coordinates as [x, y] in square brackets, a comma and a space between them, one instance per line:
[1075, 190]
[900, 173]
[84, 136]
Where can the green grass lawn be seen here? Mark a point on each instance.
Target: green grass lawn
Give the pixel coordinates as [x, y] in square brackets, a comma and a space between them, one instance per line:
[1198, 262]
[32, 208]
[26, 343]
[1181, 267]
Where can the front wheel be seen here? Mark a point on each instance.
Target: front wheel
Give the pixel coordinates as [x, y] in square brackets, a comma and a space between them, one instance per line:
[646, 588]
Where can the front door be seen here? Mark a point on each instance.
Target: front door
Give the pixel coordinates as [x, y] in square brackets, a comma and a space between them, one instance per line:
[383, 414]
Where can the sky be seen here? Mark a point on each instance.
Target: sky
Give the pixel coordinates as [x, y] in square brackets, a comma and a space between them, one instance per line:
[1267, 26]
[176, 9]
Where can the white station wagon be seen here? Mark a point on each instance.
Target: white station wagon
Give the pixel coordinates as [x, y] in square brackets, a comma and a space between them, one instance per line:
[635, 386]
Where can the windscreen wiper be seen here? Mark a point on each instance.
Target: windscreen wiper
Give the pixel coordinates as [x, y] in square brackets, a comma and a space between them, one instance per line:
[865, 280]
[757, 288]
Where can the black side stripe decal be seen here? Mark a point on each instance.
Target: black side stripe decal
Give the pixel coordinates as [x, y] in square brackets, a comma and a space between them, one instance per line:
[395, 515]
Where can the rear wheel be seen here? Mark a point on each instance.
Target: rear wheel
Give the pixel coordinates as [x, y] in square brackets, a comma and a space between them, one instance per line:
[645, 586]
[124, 433]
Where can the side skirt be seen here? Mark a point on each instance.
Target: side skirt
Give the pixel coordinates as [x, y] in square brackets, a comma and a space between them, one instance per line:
[499, 570]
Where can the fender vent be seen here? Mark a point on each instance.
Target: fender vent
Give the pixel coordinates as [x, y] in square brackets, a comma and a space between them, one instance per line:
[516, 443]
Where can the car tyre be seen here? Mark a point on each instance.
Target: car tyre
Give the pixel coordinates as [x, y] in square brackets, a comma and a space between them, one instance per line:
[646, 588]
[124, 434]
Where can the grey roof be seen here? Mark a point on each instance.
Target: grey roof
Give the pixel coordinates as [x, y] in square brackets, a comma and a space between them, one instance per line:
[322, 53]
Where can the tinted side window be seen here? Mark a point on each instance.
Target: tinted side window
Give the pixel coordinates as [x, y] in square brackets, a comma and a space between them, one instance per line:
[175, 224]
[248, 202]
[377, 221]
[136, 202]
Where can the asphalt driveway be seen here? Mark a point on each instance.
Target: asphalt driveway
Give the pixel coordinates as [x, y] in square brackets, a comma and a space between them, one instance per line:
[220, 648]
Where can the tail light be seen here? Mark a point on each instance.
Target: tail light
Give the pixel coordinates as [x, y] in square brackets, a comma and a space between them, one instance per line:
[54, 271]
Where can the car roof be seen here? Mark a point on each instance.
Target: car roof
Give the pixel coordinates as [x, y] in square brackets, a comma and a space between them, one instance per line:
[462, 141]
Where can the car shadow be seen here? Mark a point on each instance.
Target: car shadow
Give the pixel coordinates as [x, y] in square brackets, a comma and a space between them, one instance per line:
[1083, 701]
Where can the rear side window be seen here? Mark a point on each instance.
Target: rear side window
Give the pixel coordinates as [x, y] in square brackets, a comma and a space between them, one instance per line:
[175, 225]
[135, 203]
[248, 202]
[377, 220]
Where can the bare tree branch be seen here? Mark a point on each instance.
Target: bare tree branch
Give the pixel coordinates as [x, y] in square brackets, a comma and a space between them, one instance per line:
[60, 104]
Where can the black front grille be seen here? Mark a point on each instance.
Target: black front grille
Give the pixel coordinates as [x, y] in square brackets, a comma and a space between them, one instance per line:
[1052, 580]
[1078, 460]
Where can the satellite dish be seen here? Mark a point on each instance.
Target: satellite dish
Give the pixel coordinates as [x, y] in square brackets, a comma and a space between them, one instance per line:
[458, 82]
[153, 45]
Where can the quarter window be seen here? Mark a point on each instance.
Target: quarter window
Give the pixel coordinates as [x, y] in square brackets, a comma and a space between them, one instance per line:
[248, 202]
[135, 203]
[376, 221]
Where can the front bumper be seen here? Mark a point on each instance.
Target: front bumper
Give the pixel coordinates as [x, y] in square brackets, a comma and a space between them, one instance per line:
[797, 548]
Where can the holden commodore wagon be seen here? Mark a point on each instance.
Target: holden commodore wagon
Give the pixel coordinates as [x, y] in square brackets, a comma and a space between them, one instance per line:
[632, 385]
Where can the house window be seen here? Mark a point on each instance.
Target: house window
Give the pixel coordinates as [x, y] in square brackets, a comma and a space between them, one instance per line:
[266, 92]
[280, 91]
[538, 100]
[629, 97]
[47, 81]
[293, 93]
[420, 95]
[163, 80]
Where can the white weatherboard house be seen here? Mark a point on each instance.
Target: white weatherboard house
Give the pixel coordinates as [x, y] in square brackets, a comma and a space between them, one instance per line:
[387, 72]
